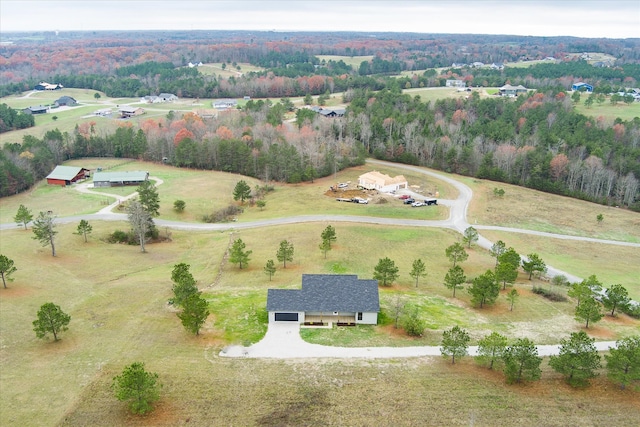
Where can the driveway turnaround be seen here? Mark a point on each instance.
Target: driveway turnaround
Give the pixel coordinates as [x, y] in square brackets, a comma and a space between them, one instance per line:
[283, 341]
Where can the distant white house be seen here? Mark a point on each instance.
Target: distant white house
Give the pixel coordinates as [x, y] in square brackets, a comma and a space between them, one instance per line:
[222, 104]
[197, 64]
[378, 181]
[103, 113]
[455, 83]
[150, 99]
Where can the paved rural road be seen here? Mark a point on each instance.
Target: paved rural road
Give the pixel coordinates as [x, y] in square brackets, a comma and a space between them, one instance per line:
[272, 345]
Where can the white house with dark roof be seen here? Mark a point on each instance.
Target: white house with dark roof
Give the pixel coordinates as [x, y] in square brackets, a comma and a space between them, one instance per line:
[326, 298]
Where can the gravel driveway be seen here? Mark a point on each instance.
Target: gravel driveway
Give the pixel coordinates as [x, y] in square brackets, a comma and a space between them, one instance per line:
[283, 341]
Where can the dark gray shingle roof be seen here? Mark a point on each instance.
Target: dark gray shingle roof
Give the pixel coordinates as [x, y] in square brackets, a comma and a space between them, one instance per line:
[327, 292]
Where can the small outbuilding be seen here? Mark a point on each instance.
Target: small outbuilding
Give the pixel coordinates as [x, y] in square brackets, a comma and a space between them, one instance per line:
[223, 104]
[582, 87]
[379, 181]
[67, 175]
[116, 179]
[326, 298]
[40, 109]
[455, 83]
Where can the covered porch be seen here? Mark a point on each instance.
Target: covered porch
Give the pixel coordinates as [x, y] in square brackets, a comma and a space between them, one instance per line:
[325, 318]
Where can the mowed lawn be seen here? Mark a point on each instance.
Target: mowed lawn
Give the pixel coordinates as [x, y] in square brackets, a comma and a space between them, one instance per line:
[117, 299]
[610, 112]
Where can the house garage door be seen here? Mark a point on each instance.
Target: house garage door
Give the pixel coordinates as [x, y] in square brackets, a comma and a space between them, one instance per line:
[286, 317]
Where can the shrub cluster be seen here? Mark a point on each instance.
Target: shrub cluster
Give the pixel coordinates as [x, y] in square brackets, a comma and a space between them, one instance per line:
[631, 310]
[120, 236]
[550, 295]
[223, 215]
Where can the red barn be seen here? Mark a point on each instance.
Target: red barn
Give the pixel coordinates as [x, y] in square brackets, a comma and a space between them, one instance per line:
[66, 175]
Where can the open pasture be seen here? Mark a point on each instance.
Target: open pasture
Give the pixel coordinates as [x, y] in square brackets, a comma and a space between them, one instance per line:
[117, 296]
[611, 264]
[432, 94]
[353, 61]
[609, 112]
[534, 210]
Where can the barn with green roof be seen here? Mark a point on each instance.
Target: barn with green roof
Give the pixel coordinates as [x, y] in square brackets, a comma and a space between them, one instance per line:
[67, 175]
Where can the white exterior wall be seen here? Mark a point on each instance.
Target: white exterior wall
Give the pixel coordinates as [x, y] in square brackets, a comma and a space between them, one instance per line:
[368, 319]
[393, 187]
[366, 184]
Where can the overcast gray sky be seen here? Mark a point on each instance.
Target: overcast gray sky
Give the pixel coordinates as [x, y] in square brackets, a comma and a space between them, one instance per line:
[583, 18]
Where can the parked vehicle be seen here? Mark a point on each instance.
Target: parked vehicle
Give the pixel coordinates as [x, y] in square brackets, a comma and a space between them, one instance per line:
[417, 204]
[431, 201]
[341, 199]
[404, 197]
[408, 201]
[343, 185]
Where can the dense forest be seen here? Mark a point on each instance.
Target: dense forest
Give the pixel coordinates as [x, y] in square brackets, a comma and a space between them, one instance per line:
[536, 140]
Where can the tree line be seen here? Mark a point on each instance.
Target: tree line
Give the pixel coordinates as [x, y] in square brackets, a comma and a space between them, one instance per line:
[11, 119]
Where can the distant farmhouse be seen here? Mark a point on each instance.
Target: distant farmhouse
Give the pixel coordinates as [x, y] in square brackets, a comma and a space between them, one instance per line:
[326, 298]
[325, 112]
[455, 83]
[223, 104]
[116, 179]
[378, 181]
[40, 109]
[150, 99]
[48, 86]
[67, 175]
[197, 64]
[167, 97]
[127, 111]
[582, 87]
[66, 101]
[163, 97]
[508, 90]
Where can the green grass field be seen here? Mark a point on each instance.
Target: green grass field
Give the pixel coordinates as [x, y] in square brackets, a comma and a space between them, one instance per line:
[116, 297]
[354, 61]
[610, 112]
